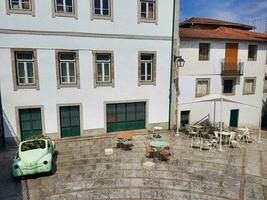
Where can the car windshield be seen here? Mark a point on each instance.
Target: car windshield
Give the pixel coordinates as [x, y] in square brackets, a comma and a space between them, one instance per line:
[35, 144]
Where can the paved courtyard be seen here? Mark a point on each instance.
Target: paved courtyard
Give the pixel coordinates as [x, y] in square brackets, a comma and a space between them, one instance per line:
[84, 172]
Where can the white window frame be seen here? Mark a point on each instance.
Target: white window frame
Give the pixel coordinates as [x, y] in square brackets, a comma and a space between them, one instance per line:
[146, 62]
[64, 7]
[101, 8]
[155, 11]
[20, 5]
[103, 62]
[67, 62]
[25, 62]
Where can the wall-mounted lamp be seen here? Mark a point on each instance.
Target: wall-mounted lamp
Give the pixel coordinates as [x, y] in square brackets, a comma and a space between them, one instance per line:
[179, 61]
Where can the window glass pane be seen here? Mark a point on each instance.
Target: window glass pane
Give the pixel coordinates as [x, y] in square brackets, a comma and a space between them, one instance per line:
[107, 73]
[99, 72]
[228, 86]
[140, 111]
[143, 10]
[72, 79]
[204, 49]
[151, 11]
[111, 113]
[64, 79]
[146, 57]
[149, 69]
[14, 4]
[97, 11]
[30, 70]
[121, 112]
[105, 12]
[103, 57]
[25, 4]
[106, 4]
[21, 71]
[130, 110]
[30, 80]
[68, 2]
[71, 69]
[67, 56]
[97, 4]
[63, 69]
[21, 80]
[252, 52]
[24, 55]
[143, 68]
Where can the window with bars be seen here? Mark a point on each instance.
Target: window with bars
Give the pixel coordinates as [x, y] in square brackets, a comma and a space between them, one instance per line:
[202, 87]
[67, 67]
[64, 6]
[20, 4]
[252, 52]
[249, 86]
[147, 67]
[204, 51]
[147, 9]
[102, 8]
[25, 68]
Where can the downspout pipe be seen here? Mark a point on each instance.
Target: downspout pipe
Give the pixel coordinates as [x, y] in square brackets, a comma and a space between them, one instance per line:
[174, 23]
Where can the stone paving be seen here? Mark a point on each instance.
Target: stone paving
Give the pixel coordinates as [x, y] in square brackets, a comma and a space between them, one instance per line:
[84, 172]
[10, 189]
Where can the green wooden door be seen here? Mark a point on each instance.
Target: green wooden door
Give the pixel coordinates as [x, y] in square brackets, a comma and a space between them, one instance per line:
[234, 118]
[69, 121]
[126, 116]
[30, 122]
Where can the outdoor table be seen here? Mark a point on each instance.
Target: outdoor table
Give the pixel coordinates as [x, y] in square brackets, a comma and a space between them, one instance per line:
[157, 144]
[125, 136]
[156, 131]
[225, 134]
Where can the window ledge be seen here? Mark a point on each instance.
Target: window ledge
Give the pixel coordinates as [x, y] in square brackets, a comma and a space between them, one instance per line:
[22, 87]
[229, 94]
[101, 17]
[140, 83]
[21, 11]
[153, 21]
[104, 85]
[68, 86]
[57, 14]
[248, 93]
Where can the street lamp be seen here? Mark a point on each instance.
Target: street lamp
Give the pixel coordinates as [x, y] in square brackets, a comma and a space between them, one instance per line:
[179, 63]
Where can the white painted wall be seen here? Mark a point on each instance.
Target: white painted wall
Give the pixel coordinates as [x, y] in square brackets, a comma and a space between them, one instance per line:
[125, 19]
[211, 69]
[92, 99]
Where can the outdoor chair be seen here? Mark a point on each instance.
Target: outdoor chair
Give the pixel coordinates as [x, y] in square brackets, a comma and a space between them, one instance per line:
[234, 140]
[196, 142]
[126, 145]
[192, 133]
[206, 144]
[165, 153]
[149, 151]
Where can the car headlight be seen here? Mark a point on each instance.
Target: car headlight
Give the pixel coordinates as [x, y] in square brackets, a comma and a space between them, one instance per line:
[16, 166]
[45, 162]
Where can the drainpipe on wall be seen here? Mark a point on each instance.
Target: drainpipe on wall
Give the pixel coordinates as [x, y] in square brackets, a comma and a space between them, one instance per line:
[174, 52]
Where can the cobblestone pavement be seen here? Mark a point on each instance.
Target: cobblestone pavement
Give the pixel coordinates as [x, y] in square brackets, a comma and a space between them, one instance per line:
[10, 189]
[84, 172]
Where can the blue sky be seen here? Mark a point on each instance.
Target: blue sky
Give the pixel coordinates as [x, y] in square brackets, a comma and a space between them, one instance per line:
[252, 12]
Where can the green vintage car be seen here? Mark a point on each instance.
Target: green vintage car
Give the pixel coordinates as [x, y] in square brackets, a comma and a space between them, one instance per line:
[34, 156]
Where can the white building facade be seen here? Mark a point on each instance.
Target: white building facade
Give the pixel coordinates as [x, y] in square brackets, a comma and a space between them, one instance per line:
[77, 68]
[205, 73]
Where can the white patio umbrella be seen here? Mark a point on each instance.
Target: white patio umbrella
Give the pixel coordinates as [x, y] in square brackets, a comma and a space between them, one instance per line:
[222, 98]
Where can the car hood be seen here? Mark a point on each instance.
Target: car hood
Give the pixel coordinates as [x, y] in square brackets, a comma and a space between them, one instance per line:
[32, 156]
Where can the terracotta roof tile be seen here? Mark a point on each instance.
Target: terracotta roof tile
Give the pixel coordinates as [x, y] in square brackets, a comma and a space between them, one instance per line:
[222, 33]
[208, 21]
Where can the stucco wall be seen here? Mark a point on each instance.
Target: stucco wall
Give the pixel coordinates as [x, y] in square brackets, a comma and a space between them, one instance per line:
[211, 69]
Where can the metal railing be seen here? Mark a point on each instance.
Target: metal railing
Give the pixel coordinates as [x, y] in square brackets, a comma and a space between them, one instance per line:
[232, 69]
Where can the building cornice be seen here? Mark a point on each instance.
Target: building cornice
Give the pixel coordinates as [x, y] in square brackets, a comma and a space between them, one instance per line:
[85, 34]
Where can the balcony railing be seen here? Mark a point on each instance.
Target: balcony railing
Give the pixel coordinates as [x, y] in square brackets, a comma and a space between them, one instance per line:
[232, 69]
